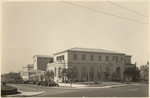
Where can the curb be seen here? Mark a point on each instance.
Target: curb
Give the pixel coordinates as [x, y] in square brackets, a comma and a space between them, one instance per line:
[108, 86]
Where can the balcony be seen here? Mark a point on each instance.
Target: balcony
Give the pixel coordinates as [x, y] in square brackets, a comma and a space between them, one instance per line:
[60, 61]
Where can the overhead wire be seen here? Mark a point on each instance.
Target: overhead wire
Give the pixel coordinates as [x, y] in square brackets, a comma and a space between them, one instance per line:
[126, 8]
[104, 12]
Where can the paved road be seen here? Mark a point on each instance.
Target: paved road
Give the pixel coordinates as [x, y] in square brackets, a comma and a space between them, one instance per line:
[140, 90]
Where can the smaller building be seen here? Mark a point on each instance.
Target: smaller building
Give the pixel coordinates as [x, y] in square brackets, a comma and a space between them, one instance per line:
[25, 73]
[36, 70]
[40, 61]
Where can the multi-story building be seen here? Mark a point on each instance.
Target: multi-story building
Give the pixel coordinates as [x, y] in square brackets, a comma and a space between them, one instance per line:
[36, 70]
[89, 64]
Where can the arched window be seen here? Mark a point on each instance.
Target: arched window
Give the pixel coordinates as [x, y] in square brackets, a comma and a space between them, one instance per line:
[99, 73]
[118, 71]
[59, 72]
[83, 73]
[91, 74]
[55, 72]
[75, 72]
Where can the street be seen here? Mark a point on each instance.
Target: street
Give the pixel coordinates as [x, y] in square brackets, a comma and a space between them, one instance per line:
[140, 90]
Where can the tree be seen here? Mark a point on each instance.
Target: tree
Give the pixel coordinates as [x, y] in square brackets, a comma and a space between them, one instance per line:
[144, 72]
[132, 74]
[136, 75]
[107, 73]
[67, 74]
[49, 75]
[115, 76]
[11, 77]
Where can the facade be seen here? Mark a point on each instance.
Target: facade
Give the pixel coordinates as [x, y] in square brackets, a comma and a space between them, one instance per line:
[36, 70]
[25, 73]
[89, 64]
[40, 61]
[127, 61]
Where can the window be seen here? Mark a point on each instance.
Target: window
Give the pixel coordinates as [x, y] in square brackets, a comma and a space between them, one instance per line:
[113, 59]
[83, 57]
[128, 61]
[107, 58]
[60, 57]
[121, 59]
[116, 59]
[63, 57]
[99, 58]
[59, 72]
[92, 57]
[74, 56]
[57, 58]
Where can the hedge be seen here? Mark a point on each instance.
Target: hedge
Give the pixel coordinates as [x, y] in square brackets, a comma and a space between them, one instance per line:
[8, 90]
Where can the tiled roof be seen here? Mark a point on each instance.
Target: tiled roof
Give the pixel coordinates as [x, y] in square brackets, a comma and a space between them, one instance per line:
[128, 55]
[90, 50]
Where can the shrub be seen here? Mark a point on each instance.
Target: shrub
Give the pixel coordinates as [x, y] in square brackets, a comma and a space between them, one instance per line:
[8, 90]
[3, 83]
[53, 84]
[95, 82]
[82, 80]
[76, 81]
[115, 76]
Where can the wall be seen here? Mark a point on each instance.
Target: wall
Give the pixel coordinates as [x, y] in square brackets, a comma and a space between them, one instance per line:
[87, 54]
[128, 59]
[35, 62]
[42, 63]
[24, 75]
[65, 56]
[58, 64]
[87, 63]
[103, 64]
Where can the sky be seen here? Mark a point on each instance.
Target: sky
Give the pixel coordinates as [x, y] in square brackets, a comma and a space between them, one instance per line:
[44, 28]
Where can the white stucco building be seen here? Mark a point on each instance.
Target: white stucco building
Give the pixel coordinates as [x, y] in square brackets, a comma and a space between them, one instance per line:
[89, 64]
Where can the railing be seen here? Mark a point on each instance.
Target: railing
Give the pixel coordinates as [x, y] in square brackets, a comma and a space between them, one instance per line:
[60, 61]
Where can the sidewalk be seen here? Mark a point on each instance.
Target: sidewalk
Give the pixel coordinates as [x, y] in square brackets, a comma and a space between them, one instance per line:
[89, 84]
[103, 85]
[25, 94]
[108, 86]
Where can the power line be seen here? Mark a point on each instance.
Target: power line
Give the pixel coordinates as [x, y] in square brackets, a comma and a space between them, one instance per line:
[104, 12]
[126, 8]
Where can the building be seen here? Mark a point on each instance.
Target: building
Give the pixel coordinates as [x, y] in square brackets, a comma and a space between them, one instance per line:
[36, 70]
[40, 61]
[26, 71]
[89, 64]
